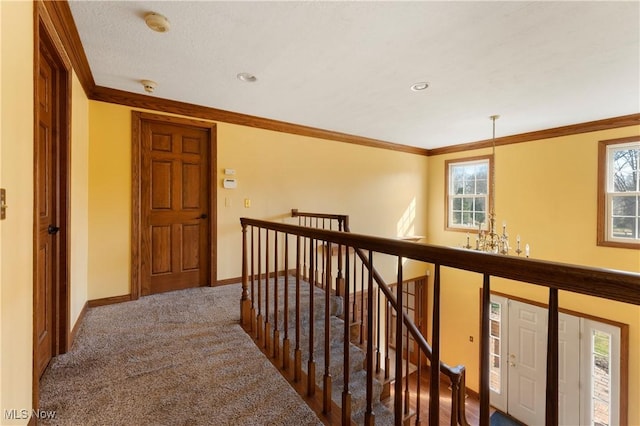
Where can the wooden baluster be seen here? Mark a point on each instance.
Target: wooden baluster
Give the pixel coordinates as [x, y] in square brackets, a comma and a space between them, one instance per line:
[326, 390]
[323, 268]
[434, 385]
[485, 336]
[339, 279]
[362, 323]
[311, 366]
[369, 416]
[297, 353]
[397, 405]
[355, 286]
[245, 304]
[253, 283]
[267, 324]
[286, 345]
[260, 318]
[305, 272]
[276, 332]
[378, 330]
[387, 337]
[346, 394]
[551, 411]
[419, 301]
[418, 387]
[316, 273]
[407, 343]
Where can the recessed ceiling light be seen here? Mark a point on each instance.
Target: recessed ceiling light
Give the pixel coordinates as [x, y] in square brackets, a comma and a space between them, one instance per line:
[157, 22]
[422, 85]
[247, 77]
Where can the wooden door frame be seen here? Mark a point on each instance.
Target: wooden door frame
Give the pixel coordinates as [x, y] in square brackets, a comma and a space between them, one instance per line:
[45, 33]
[137, 118]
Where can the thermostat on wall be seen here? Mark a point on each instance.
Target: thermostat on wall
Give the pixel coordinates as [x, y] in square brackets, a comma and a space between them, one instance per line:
[230, 183]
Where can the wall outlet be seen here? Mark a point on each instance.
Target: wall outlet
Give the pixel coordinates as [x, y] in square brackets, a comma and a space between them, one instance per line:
[247, 203]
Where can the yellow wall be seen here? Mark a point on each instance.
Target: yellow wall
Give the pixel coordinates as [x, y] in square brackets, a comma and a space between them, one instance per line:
[16, 232]
[16, 176]
[79, 240]
[546, 191]
[109, 200]
[1, 119]
[276, 171]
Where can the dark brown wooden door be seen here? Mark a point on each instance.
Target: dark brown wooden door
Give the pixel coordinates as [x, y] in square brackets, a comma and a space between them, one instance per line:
[46, 210]
[174, 207]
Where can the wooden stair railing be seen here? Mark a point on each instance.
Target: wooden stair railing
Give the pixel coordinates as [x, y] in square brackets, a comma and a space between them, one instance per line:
[455, 374]
[331, 308]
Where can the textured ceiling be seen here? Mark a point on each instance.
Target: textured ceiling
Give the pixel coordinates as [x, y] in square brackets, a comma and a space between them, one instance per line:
[348, 66]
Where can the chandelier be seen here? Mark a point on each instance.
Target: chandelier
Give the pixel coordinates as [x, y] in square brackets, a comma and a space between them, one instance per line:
[489, 240]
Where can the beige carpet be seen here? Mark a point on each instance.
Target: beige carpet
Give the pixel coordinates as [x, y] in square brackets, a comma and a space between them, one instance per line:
[177, 358]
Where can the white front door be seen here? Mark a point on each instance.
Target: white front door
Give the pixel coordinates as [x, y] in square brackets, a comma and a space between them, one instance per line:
[527, 364]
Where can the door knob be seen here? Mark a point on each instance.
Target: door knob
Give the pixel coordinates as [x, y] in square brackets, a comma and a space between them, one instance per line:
[203, 216]
[53, 229]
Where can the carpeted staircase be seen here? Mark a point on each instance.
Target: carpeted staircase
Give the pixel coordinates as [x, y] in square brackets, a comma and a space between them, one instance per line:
[357, 376]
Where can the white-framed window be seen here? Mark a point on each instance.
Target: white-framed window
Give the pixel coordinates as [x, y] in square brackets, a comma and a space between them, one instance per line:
[467, 187]
[600, 352]
[619, 193]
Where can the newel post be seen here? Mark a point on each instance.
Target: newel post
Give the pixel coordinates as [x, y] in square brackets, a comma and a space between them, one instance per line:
[245, 303]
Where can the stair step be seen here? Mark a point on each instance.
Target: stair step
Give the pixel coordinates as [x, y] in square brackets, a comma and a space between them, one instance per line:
[336, 334]
[335, 302]
[357, 376]
[382, 415]
[336, 366]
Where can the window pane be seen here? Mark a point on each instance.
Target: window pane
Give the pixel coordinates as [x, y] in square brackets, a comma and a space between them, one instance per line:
[625, 169]
[495, 328]
[482, 171]
[469, 186]
[624, 205]
[467, 218]
[494, 347]
[457, 204]
[457, 187]
[625, 227]
[467, 204]
[601, 378]
[456, 217]
[480, 204]
[481, 186]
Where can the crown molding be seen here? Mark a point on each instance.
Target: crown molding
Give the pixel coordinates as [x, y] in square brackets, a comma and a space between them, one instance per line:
[137, 100]
[573, 129]
[65, 26]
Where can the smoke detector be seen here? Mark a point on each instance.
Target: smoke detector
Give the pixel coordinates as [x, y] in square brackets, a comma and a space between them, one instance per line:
[149, 86]
[157, 22]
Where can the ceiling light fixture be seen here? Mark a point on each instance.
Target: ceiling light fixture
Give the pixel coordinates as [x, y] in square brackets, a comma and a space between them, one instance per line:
[247, 77]
[490, 240]
[149, 85]
[157, 22]
[417, 87]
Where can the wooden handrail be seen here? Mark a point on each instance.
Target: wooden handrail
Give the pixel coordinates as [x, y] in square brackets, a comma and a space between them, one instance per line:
[621, 286]
[455, 374]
